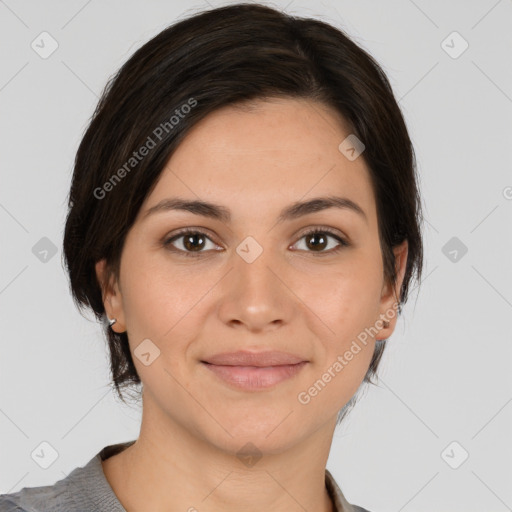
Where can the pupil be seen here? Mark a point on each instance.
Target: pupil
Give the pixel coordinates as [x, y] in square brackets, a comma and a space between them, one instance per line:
[322, 243]
[189, 244]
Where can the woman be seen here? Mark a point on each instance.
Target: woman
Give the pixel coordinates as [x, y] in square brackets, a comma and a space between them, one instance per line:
[244, 216]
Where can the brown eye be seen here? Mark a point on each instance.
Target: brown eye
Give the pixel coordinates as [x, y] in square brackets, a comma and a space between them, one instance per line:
[194, 242]
[317, 241]
[189, 242]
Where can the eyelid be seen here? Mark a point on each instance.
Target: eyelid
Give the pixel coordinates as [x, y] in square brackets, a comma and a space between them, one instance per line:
[343, 241]
[332, 232]
[185, 231]
[323, 229]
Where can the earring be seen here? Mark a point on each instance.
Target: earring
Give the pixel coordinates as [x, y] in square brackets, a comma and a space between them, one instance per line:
[112, 321]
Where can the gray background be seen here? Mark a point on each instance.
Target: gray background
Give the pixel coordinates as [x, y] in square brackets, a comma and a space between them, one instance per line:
[446, 373]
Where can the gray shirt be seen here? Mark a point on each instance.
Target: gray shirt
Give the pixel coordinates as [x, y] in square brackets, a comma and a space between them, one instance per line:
[86, 489]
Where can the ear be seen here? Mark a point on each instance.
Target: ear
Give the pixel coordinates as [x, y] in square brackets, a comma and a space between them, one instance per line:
[111, 294]
[391, 293]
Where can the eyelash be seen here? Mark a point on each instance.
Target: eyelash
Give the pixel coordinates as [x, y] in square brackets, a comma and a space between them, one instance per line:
[167, 243]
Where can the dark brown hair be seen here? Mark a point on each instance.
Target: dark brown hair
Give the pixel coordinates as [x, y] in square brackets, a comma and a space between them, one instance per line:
[226, 56]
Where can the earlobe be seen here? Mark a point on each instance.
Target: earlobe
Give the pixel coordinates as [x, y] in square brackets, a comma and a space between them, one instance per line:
[111, 295]
[391, 293]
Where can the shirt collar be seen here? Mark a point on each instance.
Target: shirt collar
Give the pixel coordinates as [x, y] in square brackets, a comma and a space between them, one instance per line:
[340, 502]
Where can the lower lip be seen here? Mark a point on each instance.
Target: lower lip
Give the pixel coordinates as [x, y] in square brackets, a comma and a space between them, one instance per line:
[253, 377]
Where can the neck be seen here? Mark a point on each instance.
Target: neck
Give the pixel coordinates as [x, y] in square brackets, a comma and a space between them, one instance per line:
[172, 469]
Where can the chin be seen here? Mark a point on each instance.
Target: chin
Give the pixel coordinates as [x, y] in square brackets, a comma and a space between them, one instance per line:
[268, 434]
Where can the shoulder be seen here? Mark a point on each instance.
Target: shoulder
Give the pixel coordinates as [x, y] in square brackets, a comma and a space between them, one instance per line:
[83, 490]
[57, 498]
[66, 495]
[8, 504]
[35, 499]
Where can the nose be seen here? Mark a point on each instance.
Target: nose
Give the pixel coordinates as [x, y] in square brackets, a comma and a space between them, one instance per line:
[254, 295]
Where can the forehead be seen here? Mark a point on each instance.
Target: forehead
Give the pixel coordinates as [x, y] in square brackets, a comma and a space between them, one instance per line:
[264, 153]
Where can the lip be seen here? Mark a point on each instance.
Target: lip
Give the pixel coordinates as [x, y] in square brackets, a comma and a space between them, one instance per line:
[253, 371]
[261, 359]
[255, 377]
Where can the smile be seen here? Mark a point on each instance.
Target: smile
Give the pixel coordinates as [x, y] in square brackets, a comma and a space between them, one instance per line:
[254, 377]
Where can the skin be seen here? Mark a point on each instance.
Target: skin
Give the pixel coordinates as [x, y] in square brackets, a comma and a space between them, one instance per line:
[292, 298]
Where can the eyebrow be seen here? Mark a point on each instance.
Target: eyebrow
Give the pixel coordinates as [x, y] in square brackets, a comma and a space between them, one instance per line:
[221, 213]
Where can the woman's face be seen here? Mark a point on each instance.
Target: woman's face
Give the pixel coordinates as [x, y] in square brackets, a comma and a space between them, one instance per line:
[253, 281]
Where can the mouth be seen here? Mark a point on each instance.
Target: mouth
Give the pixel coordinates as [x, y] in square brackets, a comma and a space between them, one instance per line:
[254, 371]
[255, 377]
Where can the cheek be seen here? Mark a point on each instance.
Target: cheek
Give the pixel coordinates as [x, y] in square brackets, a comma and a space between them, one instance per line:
[165, 303]
[156, 294]
[348, 296]
[348, 303]
[344, 354]
[159, 306]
